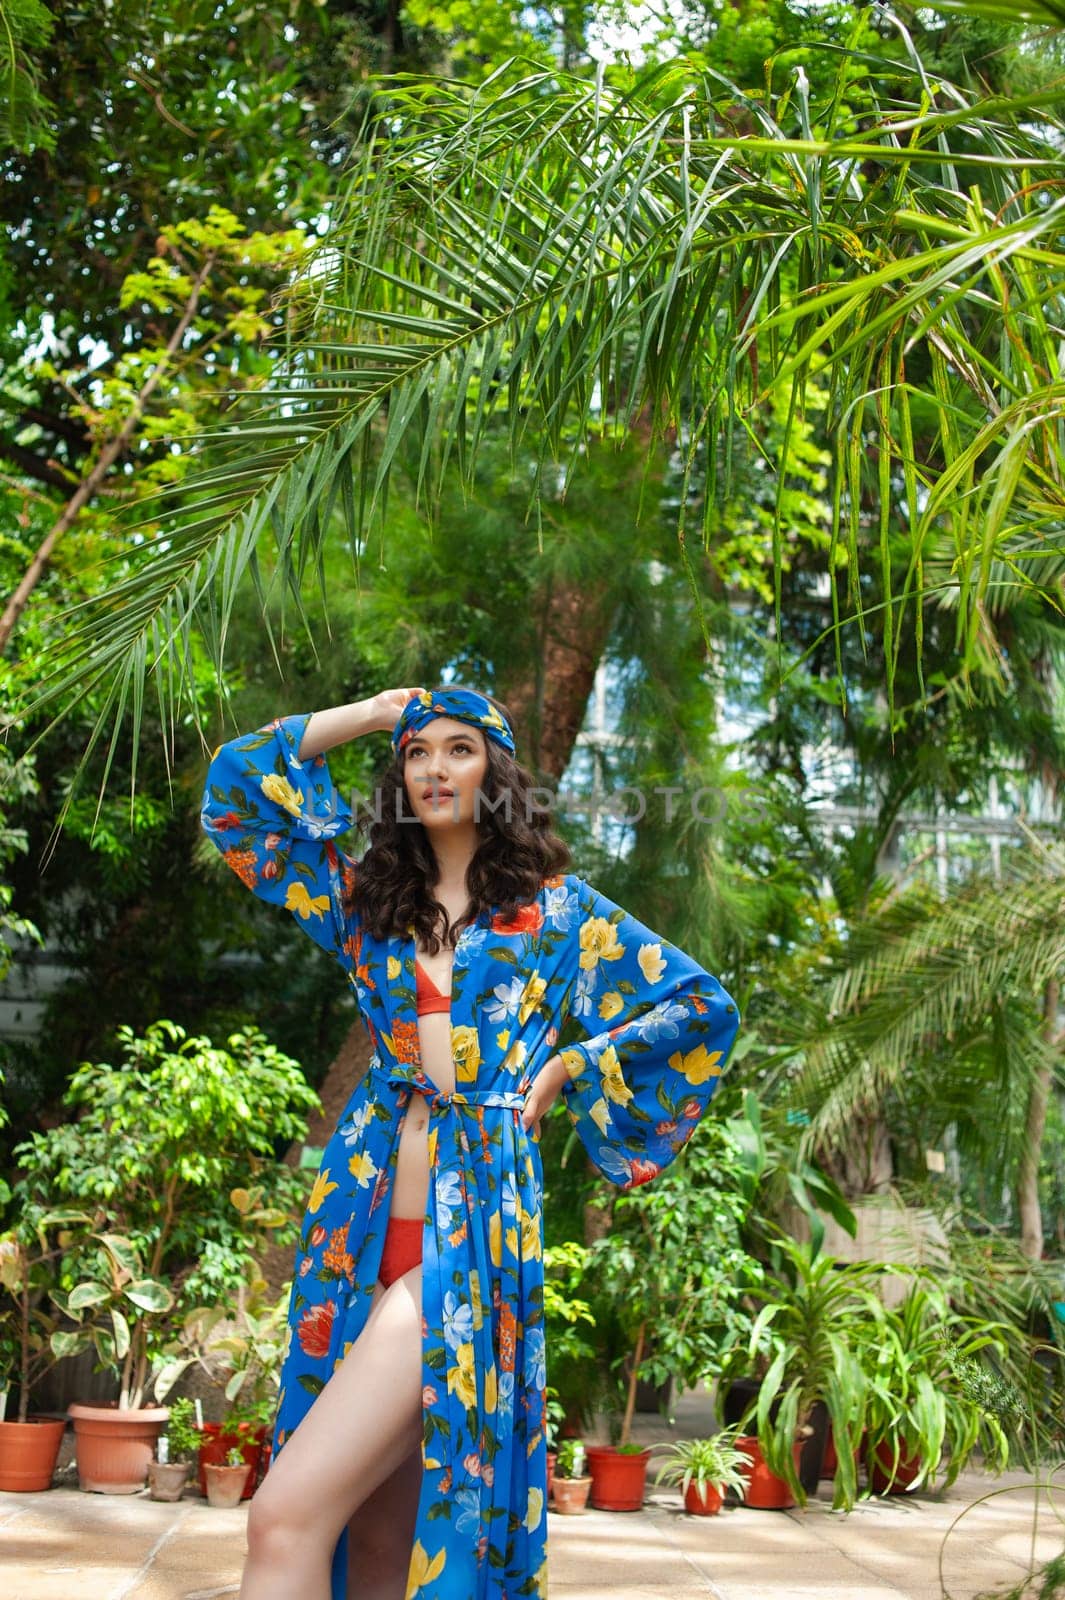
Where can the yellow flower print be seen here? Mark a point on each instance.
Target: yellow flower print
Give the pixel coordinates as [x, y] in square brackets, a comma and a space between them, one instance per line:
[516, 1057]
[495, 1239]
[491, 1390]
[461, 1378]
[321, 1188]
[573, 1061]
[511, 1237]
[652, 962]
[362, 1170]
[422, 1570]
[600, 1115]
[281, 792]
[698, 1064]
[610, 1005]
[531, 996]
[298, 900]
[534, 1513]
[394, 967]
[599, 942]
[530, 1236]
[502, 1038]
[613, 1084]
[466, 1053]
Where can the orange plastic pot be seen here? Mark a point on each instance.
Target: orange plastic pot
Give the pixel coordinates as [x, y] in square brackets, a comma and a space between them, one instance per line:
[28, 1453]
[618, 1477]
[702, 1500]
[765, 1491]
[888, 1477]
[216, 1445]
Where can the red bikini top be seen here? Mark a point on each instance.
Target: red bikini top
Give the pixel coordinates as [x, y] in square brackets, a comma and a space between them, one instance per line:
[427, 995]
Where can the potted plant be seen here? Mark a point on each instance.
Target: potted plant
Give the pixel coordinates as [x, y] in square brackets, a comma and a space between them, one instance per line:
[703, 1469]
[801, 1353]
[667, 1294]
[178, 1449]
[226, 1479]
[180, 1120]
[242, 1428]
[931, 1393]
[243, 1352]
[29, 1445]
[571, 1483]
[567, 1316]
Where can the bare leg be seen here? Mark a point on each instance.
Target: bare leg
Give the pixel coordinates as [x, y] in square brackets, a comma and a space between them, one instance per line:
[381, 1535]
[364, 1424]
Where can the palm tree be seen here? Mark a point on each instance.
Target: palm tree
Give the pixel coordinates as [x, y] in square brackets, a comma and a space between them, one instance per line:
[953, 1001]
[562, 259]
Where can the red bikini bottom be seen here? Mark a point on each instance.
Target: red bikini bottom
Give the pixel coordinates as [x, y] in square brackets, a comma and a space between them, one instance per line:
[402, 1248]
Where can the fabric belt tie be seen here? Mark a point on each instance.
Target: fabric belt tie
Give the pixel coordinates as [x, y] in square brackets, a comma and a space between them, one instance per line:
[459, 1099]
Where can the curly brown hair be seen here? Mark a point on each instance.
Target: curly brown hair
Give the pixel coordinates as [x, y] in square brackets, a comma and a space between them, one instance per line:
[392, 888]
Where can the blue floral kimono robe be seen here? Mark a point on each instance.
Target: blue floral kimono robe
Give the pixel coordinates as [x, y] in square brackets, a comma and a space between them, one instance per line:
[656, 1029]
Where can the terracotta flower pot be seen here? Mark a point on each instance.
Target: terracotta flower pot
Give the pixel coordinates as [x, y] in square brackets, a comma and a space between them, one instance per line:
[216, 1444]
[618, 1477]
[552, 1457]
[113, 1447]
[225, 1485]
[886, 1477]
[571, 1495]
[28, 1452]
[167, 1479]
[765, 1491]
[702, 1499]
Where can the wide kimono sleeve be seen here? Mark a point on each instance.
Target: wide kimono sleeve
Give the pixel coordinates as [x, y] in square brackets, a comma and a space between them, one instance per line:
[659, 1029]
[274, 819]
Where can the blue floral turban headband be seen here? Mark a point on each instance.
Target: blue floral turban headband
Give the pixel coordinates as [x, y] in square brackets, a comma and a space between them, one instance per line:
[464, 704]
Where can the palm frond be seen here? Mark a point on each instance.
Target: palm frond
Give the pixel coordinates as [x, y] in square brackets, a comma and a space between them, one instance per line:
[554, 257]
[924, 975]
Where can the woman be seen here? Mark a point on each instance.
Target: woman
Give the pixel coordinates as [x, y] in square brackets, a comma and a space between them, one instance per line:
[409, 1448]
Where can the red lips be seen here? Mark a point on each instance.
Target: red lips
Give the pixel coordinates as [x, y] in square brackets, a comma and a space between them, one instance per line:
[440, 793]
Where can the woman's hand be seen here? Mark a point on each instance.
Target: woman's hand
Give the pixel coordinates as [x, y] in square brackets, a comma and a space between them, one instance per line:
[388, 706]
[542, 1094]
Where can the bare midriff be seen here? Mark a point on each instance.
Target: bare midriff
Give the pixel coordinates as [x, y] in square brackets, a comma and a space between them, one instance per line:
[410, 1186]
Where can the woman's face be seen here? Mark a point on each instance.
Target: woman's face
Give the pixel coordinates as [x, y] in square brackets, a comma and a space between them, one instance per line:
[444, 765]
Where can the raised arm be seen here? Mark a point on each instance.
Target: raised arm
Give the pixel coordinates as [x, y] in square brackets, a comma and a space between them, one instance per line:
[273, 811]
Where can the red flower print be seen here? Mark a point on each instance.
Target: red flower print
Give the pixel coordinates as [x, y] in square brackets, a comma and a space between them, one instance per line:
[641, 1172]
[527, 919]
[305, 1265]
[317, 1235]
[270, 868]
[337, 1258]
[405, 1039]
[364, 977]
[315, 1328]
[665, 1127]
[243, 864]
[272, 841]
[700, 1005]
[380, 1188]
[429, 1396]
[228, 819]
[472, 1463]
[331, 854]
[691, 1109]
[508, 1325]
